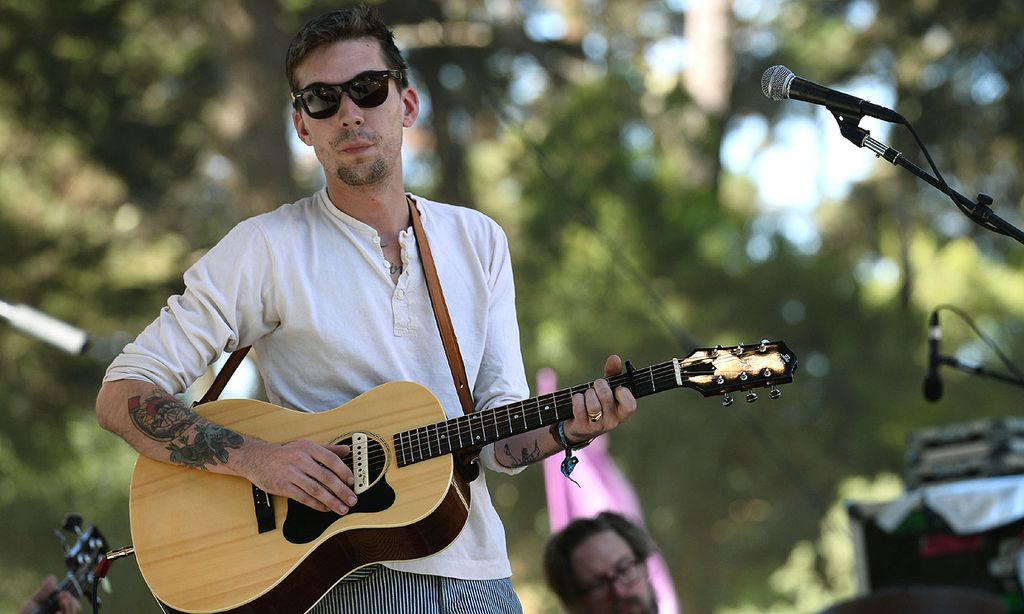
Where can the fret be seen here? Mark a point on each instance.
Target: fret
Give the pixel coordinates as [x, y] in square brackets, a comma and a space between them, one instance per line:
[419, 443]
[407, 446]
[396, 441]
[458, 431]
[448, 435]
[466, 430]
[474, 437]
[412, 446]
[424, 434]
[549, 404]
[508, 418]
[432, 441]
[438, 438]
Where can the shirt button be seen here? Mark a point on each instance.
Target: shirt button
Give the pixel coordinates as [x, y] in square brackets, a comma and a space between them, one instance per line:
[400, 293]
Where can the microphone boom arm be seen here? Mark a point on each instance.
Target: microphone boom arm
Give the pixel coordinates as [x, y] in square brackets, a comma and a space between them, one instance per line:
[952, 361]
[979, 212]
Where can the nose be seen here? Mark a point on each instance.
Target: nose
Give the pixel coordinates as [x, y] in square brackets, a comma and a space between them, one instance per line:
[621, 590]
[349, 113]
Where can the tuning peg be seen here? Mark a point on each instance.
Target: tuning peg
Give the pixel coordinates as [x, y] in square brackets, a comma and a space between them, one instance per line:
[727, 400]
[774, 393]
[751, 396]
[764, 346]
[739, 349]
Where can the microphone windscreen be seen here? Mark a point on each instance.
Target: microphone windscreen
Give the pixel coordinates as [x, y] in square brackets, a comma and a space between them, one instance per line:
[773, 82]
[932, 388]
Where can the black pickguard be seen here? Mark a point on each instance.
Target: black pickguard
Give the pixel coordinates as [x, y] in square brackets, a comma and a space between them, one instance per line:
[304, 524]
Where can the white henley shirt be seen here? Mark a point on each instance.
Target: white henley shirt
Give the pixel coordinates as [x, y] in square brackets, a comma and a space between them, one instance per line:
[308, 287]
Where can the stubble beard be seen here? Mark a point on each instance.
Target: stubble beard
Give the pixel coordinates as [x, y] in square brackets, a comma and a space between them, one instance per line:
[359, 176]
[376, 174]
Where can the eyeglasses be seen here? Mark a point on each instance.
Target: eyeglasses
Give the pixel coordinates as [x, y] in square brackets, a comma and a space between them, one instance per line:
[624, 574]
[368, 89]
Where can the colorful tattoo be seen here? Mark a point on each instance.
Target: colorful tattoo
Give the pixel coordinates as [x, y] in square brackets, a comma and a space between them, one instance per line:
[209, 447]
[164, 418]
[160, 417]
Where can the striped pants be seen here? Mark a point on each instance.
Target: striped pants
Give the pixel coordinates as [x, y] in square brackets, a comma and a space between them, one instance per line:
[386, 591]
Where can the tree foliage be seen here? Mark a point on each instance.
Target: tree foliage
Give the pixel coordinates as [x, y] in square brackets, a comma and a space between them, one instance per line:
[133, 133]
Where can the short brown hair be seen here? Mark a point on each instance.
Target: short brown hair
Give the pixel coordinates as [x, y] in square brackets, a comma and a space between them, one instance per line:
[558, 571]
[358, 21]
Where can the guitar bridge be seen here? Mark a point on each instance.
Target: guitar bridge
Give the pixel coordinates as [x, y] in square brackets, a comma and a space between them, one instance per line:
[360, 462]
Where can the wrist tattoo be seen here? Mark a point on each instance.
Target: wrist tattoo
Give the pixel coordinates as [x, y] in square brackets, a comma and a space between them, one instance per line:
[526, 457]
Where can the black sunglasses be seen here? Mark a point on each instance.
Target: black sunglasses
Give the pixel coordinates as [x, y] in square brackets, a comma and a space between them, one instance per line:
[368, 89]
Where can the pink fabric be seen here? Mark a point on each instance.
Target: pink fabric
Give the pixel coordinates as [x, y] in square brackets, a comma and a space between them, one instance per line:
[603, 487]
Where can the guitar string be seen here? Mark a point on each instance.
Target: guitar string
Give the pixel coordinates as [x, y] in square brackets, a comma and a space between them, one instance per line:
[418, 444]
[488, 420]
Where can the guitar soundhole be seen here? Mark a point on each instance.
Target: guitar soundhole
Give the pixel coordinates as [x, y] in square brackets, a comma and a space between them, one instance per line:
[304, 524]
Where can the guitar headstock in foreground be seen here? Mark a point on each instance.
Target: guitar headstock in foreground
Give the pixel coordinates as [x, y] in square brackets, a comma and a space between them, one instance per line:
[722, 370]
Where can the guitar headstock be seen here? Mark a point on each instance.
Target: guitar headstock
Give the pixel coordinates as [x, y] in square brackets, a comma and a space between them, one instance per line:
[722, 370]
[83, 557]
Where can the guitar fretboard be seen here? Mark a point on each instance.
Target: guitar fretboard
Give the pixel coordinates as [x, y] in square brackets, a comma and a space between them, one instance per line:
[483, 427]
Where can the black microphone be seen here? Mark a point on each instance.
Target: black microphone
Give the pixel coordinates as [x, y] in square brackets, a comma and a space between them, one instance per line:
[779, 82]
[932, 383]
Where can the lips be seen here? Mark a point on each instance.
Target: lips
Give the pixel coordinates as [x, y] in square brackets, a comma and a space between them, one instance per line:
[356, 147]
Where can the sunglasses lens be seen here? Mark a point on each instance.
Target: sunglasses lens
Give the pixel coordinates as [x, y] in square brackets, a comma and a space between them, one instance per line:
[368, 91]
[321, 102]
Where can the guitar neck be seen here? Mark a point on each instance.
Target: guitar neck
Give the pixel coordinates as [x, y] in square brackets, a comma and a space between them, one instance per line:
[483, 427]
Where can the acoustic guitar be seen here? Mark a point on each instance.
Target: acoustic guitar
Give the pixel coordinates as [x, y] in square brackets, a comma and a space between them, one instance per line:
[207, 542]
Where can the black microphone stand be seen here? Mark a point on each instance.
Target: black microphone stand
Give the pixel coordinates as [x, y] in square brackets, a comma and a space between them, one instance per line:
[979, 212]
[952, 361]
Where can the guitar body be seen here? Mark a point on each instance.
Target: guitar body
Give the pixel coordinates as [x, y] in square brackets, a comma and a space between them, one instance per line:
[196, 536]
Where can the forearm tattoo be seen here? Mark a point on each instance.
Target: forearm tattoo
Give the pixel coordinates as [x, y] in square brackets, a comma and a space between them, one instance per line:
[164, 418]
[526, 457]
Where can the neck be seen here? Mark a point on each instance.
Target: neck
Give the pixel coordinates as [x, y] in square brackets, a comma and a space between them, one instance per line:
[383, 207]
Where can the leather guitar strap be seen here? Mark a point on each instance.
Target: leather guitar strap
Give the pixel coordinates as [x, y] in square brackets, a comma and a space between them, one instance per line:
[444, 325]
[224, 375]
[444, 321]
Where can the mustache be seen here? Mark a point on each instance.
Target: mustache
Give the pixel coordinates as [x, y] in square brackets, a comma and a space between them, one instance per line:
[354, 134]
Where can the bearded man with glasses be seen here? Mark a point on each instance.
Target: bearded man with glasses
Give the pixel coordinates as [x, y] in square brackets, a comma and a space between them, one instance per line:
[599, 565]
[330, 293]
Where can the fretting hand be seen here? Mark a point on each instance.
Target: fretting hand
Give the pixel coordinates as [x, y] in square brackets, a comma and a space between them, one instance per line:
[600, 409]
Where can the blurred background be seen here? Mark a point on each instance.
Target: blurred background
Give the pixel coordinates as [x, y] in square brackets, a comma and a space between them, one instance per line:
[655, 202]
